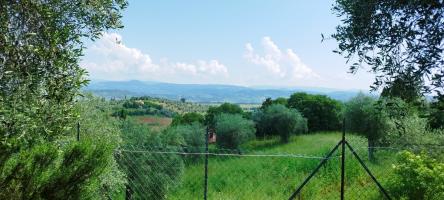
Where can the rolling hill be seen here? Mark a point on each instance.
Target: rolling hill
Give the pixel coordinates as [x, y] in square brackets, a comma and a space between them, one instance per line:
[204, 93]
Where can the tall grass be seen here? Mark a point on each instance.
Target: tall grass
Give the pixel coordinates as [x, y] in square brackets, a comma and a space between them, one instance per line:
[233, 177]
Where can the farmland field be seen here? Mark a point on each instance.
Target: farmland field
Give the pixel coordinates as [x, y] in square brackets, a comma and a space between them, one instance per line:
[155, 122]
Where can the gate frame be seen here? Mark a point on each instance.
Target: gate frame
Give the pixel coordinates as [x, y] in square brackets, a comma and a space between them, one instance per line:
[343, 142]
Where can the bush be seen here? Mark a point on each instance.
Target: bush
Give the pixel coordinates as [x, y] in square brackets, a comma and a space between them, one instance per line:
[49, 172]
[417, 177]
[280, 120]
[232, 130]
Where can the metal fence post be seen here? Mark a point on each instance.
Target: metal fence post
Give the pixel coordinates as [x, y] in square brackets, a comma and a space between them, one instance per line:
[206, 165]
[343, 159]
[78, 131]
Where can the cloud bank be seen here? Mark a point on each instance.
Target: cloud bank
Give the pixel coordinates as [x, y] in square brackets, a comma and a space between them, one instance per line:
[109, 58]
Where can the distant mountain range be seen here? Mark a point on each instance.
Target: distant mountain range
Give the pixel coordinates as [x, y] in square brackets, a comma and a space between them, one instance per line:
[205, 93]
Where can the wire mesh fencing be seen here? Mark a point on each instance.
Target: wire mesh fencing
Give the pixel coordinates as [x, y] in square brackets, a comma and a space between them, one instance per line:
[179, 173]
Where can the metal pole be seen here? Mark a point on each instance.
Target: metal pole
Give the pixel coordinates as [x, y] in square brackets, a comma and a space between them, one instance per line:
[206, 165]
[78, 131]
[314, 172]
[368, 171]
[343, 159]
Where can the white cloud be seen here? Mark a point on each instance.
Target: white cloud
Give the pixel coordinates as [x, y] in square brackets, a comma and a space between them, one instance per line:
[286, 64]
[109, 58]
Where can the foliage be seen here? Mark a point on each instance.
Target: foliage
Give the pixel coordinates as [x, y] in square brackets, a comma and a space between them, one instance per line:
[269, 102]
[416, 137]
[322, 112]
[45, 172]
[436, 118]
[232, 130]
[193, 135]
[188, 118]
[160, 173]
[212, 112]
[40, 46]
[405, 88]
[137, 106]
[97, 125]
[363, 116]
[400, 40]
[280, 120]
[417, 177]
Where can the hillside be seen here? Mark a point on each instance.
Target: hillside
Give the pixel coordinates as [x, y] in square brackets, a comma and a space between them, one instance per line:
[207, 93]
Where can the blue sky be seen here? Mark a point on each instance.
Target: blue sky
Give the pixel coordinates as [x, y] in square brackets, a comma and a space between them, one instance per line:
[248, 42]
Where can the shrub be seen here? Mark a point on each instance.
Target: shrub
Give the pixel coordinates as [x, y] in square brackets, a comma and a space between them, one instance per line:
[232, 130]
[280, 120]
[417, 177]
[46, 172]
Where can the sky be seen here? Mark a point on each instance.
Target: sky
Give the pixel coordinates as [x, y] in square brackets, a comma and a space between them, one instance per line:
[249, 43]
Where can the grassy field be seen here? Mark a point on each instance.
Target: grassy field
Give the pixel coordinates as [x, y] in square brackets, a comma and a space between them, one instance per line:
[235, 177]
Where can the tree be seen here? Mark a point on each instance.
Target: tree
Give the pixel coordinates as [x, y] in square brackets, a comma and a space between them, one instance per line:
[280, 120]
[97, 125]
[188, 118]
[40, 46]
[322, 112]
[233, 130]
[149, 176]
[210, 117]
[193, 135]
[436, 118]
[405, 88]
[363, 116]
[269, 102]
[397, 39]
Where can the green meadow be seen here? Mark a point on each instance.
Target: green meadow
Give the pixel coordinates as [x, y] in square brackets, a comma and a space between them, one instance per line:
[277, 175]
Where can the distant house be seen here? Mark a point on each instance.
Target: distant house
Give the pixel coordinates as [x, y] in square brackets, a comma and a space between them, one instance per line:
[211, 136]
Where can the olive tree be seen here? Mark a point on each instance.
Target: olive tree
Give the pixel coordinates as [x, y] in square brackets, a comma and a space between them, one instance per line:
[232, 130]
[401, 41]
[40, 46]
[279, 120]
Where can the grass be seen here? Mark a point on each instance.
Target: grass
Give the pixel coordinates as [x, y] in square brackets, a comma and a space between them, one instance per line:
[233, 177]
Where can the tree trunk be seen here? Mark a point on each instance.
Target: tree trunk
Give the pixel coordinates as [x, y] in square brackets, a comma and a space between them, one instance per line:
[128, 193]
